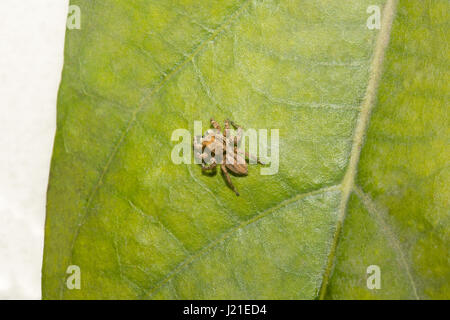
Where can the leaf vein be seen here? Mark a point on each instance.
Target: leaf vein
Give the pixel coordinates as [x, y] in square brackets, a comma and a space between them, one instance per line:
[192, 258]
[380, 217]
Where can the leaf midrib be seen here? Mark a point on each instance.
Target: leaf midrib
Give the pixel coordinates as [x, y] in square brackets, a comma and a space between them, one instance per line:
[348, 182]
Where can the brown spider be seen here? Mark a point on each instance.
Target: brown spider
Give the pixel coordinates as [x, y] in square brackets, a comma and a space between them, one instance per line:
[216, 146]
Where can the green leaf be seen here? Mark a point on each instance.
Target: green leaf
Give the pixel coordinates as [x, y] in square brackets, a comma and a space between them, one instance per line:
[398, 216]
[139, 226]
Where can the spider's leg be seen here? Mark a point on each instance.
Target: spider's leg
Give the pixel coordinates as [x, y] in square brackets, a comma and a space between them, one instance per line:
[210, 167]
[239, 132]
[227, 128]
[230, 146]
[249, 156]
[236, 126]
[238, 136]
[227, 176]
[238, 156]
[198, 142]
[215, 125]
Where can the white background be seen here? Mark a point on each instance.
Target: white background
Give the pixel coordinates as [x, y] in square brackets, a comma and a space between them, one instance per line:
[31, 58]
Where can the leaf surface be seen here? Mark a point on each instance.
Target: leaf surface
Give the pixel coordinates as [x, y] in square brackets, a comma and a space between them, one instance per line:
[139, 226]
[398, 214]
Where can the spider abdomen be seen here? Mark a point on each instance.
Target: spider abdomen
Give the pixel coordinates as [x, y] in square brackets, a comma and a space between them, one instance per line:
[240, 169]
[236, 163]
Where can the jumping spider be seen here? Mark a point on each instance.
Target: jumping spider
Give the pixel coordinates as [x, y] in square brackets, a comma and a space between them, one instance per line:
[216, 146]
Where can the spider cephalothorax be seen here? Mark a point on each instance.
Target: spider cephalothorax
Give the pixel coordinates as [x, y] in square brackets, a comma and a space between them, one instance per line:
[221, 148]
